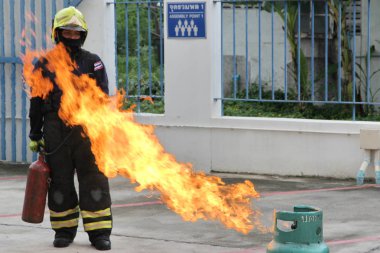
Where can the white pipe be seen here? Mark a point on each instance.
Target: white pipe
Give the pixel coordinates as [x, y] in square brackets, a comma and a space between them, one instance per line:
[367, 160]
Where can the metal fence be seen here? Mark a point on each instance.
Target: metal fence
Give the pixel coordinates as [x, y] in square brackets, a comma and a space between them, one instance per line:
[301, 51]
[23, 24]
[140, 52]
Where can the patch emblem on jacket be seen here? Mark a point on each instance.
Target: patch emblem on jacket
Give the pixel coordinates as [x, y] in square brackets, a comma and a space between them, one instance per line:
[98, 65]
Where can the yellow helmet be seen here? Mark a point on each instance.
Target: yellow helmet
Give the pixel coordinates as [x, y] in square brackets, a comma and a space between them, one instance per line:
[69, 18]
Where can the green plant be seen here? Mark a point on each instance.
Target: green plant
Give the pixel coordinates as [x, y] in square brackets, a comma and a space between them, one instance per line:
[346, 52]
[362, 77]
[138, 59]
[283, 109]
[291, 16]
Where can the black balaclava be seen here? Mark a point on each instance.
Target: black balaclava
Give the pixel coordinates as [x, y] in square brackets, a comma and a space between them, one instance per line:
[73, 45]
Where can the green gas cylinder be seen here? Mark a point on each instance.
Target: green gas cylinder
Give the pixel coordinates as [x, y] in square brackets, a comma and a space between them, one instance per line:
[300, 231]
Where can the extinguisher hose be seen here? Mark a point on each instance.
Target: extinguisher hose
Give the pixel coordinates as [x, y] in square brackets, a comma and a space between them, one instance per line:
[57, 148]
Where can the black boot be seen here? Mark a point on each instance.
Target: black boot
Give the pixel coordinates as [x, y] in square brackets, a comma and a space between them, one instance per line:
[62, 242]
[100, 239]
[102, 244]
[63, 239]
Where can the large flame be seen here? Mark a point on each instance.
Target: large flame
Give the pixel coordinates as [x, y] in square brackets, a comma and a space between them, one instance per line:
[124, 147]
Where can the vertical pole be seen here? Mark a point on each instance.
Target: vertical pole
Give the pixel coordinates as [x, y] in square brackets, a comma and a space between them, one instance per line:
[43, 23]
[286, 50]
[13, 79]
[354, 62]
[115, 46]
[369, 51]
[340, 51]
[326, 50]
[299, 51]
[23, 93]
[161, 48]
[246, 51]
[222, 59]
[234, 47]
[126, 49]
[312, 48]
[272, 35]
[149, 48]
[259, 24]
[53, 8]
[138, 55]
[33, 38]
[2, 78]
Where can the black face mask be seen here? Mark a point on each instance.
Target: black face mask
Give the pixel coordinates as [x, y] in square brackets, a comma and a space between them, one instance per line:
[73, 45]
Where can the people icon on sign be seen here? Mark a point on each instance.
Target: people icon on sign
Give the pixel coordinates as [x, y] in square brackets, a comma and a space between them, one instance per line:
[185, 26]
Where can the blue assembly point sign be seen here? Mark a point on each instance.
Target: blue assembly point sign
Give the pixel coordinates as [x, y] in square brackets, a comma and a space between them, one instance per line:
[187, 20]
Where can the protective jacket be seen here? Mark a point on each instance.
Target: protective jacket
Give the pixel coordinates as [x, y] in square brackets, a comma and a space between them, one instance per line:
[88, 63]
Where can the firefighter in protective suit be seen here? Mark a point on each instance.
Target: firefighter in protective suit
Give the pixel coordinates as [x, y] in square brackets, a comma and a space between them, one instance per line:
[68, 150]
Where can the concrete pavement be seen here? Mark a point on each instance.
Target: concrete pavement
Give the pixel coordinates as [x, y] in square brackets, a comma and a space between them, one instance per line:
[143, 224]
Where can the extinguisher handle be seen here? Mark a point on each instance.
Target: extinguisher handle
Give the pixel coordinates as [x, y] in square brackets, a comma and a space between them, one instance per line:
[41, 153]
[41, 150]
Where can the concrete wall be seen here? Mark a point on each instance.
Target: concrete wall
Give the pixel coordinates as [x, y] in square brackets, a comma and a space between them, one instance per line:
[265, 145]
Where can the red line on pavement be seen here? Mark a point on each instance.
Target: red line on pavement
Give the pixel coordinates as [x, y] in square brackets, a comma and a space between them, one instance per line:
[12, 178]
[251, 250]
[356, 240]
[329, 243]
[10, 215]
[139, 204]
[267, 194]
[115, 206]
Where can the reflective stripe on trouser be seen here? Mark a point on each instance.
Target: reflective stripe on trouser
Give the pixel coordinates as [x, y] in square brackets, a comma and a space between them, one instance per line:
[97, 220]
[65, 219]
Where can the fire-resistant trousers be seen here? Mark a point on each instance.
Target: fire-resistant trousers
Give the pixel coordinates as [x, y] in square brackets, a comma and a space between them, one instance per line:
[71, 153]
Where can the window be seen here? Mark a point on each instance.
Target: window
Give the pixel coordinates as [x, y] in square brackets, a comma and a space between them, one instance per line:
[350, 17]
[319, 17]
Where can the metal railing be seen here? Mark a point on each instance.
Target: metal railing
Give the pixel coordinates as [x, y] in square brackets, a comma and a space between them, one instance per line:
[321, 68]
[140, 48]
[23, 24]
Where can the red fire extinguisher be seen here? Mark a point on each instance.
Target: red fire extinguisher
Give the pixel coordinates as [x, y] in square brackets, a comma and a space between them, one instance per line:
[35, 192]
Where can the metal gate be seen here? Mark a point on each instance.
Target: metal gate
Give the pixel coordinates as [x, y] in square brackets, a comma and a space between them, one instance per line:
[301, 52]
[24, 24]
[140, 51]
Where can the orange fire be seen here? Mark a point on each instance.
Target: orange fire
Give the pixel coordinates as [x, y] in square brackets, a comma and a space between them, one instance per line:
[124, 147]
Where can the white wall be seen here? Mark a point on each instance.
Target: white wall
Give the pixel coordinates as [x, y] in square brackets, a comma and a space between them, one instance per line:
[253, 43]
[265, 145]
